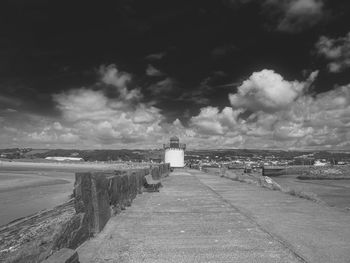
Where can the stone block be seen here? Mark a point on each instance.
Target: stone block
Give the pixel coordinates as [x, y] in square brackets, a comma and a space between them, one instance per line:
[133, 185]
[139, 180]
[82, 192]
[100, 201]
[125, 191]
[92, 198]
[115, 192]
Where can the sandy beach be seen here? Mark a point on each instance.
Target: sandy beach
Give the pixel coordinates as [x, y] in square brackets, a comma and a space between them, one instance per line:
[29, 187]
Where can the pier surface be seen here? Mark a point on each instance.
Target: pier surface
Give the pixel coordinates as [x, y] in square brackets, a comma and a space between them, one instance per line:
[198, 217]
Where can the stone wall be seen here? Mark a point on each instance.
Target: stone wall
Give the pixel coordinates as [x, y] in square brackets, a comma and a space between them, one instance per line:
[100, 195]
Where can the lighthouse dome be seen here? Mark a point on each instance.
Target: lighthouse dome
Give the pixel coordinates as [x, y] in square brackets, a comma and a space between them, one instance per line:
[174, 139]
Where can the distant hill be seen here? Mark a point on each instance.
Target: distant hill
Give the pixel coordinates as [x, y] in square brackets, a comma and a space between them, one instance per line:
[89, 155]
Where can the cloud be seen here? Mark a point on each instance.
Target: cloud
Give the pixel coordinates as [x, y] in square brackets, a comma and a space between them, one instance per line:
[210, 121]
[268, 91]
[267, 111]
[81, 104]
[107, 120]
[110, 119]
[337, 51]
[57, 126]
[309, 122]
[69, 137]
[112, 76]
[197, 96]
[51, 133]
[153, 72]
[10, 110]
[316, 120]
[298, 15]
[9, 101]
[291, 16]
[92, 117]
[163, 87]
[120, 80]
[194, 96]
[156, 56]
[201, 94]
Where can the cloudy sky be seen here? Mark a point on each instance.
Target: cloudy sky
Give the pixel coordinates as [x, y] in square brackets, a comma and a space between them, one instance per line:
[271, 74]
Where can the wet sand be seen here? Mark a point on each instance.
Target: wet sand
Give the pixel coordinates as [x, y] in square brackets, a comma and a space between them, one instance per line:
[29, 187]
[12, 180]
[22, 194]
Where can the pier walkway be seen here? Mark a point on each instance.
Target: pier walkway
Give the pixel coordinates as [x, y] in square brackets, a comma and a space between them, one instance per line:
[198, 217]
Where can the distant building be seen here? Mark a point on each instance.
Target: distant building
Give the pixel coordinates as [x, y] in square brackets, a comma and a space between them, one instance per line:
[175, 153]
[61, 158]
[321, 163]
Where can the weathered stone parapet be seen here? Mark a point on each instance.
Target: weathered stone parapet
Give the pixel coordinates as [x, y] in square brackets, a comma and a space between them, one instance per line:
[99, 195]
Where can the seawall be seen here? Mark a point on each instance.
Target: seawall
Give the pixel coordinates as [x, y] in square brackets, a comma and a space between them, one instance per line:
[97, 197]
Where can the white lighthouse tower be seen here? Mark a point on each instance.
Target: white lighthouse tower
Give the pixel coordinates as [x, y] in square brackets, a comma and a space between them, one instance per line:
[175, 153]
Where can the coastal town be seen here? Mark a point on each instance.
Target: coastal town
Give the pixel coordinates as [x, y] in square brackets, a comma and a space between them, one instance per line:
[230, 158]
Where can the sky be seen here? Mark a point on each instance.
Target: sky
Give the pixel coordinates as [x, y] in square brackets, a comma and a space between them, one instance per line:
[268, 74]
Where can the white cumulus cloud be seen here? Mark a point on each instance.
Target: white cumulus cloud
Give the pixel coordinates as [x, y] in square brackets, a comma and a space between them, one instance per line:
[268, 91]
[210, 121]
[94, 115]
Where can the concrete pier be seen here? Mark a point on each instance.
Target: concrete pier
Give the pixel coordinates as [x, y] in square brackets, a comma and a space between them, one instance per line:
[198, 217]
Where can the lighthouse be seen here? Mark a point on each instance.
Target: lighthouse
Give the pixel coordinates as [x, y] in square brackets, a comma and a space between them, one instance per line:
[175, 153]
